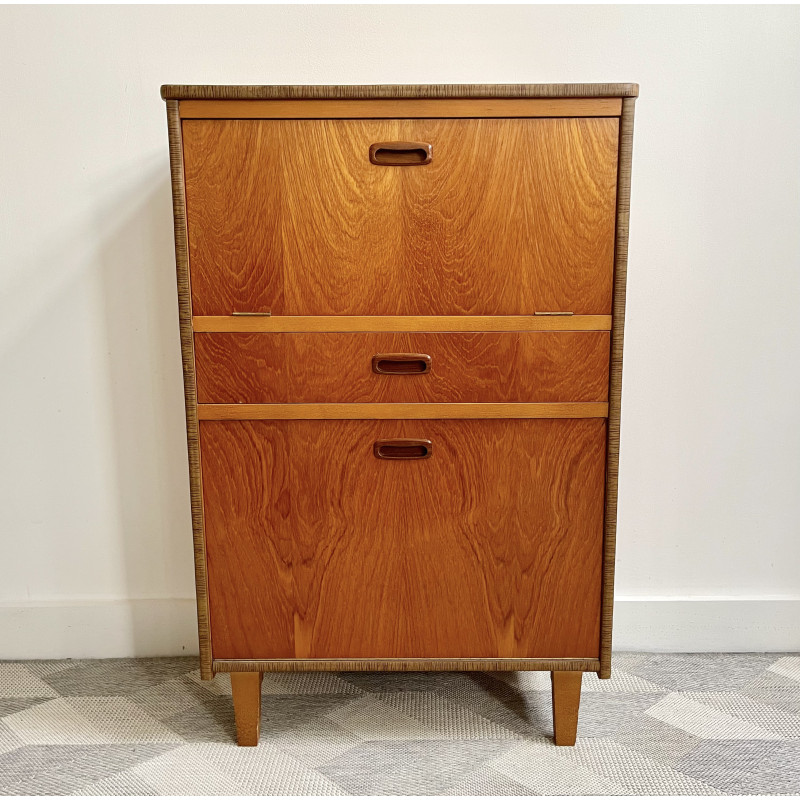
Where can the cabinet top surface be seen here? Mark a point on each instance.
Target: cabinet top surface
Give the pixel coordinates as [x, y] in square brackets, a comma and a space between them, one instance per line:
[463, 90]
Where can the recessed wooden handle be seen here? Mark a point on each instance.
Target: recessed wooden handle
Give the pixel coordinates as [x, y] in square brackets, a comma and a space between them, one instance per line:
[401, 154]
[401, 363]
[402, 449]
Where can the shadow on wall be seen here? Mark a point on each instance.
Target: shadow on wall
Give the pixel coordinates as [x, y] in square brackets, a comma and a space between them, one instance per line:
[138, 285]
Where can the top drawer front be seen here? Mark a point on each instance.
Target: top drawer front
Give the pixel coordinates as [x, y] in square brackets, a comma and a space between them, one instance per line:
[511, 216]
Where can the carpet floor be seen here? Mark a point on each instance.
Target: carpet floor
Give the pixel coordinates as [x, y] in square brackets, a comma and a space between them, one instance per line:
[663, 725]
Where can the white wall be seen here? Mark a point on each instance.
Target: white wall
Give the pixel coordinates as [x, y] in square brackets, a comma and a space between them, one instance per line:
[94, 510]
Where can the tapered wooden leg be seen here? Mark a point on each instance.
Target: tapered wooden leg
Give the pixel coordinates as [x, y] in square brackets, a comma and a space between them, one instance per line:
[247, 706]
[566, 700]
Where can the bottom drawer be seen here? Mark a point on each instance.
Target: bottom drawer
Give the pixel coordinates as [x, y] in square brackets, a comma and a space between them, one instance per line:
[487, 543]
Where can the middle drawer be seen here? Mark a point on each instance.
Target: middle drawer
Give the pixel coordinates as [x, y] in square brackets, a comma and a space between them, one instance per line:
[532, 367]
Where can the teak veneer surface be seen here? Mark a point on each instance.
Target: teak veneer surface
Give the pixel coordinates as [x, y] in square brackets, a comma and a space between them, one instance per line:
[345, 324]
[491, 548]
[512, 216]
[464, 367]
[400, 108]
[240, 411]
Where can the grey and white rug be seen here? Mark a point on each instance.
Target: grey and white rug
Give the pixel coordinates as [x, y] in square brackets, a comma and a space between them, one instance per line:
[664, 724]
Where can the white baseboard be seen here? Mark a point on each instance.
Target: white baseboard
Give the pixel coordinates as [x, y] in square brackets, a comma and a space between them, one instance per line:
[707, 624]
[168, 627]
[98, 629]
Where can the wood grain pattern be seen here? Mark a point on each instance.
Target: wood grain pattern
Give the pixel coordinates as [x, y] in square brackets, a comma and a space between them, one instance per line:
[465, 367]
[615, 381]
[345, 324]
[407, 665]
[189, 385]
[602, 665]
[399, 109]
[512, 216]
[566, 697]
[316, 549]
[246, 689]
[217, 92]
[244, 411]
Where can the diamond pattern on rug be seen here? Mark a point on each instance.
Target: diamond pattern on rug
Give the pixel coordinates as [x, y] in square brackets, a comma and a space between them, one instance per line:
[170, 698]
[409, 767]
[62, 769]
[88, 720]
[772, 690]
[10, 705]
[446, 719]
[746, 708]
[542, 767]
[209, 721]
[370, 719]
[789, 667]
[312, 743]
[55, 723]
[681, 711]
[16, 680]
[603, 714]
[119, 785]
[701, 672]
[310, 683]
[523, 713]
[271, 772]
[8, 739]
[746, 767]
[700, 724]
[633, 770]
[115, 676]
[487, 782]
[185, 771]
[657, 739]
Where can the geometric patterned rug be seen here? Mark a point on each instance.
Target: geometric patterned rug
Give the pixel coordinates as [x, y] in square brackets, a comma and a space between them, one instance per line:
[709, 724]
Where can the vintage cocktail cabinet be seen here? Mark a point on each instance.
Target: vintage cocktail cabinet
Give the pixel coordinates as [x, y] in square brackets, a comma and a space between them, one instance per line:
[401, 317]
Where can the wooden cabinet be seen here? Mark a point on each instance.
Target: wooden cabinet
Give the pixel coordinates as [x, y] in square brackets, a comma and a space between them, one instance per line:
[401, 319]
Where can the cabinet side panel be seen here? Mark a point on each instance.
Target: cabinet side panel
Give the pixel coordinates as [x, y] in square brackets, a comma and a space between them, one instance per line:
[189, 384]
[615, 380]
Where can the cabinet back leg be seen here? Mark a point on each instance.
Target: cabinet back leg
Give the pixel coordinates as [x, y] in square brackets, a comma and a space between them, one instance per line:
[566, 701]
[247, 706]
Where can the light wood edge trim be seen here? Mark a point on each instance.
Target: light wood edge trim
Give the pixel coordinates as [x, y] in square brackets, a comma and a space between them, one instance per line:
[424, 108]
[242, 411]
[189, 385]
[407, 665]
[216, 92]
[398, 324]
[615, 383]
